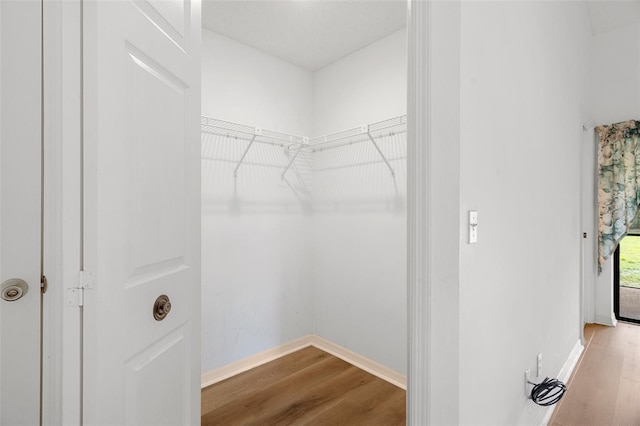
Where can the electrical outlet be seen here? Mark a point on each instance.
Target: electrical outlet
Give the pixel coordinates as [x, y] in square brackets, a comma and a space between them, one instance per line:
[540, 364]
[527, 379]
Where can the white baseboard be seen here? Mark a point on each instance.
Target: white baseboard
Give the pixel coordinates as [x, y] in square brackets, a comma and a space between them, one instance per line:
[245, 364]
[564, 375]
[361, 362]
[366, 364]
[537, 415]
[610, 321]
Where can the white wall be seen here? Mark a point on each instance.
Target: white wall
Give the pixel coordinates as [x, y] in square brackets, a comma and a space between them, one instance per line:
[616, 75]
[247, 86]
[359, 244]
[367, 86]
[616, 98]
[524, 80]
[255, 246]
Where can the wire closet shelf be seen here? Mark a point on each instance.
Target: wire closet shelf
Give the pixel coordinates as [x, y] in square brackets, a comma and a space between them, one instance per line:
[295, 144]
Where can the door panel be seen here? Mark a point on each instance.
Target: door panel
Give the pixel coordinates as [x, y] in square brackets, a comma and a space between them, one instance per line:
[160, 366]
[20, 209]
[142, 211]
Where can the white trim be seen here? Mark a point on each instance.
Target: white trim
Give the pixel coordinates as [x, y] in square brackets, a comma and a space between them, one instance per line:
[69, 171]
[245, 364]
[544, 414]
[418, 232]
[364, 363]
[434, 212]
[533, 414]
[53, 304]
[571, 362]
[219, 374]
[610, 321]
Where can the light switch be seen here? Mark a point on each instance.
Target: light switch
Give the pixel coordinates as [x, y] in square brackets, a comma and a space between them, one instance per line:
[473, 226]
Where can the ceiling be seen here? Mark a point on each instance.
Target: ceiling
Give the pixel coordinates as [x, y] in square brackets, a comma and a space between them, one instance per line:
[316, 33]
[607, 15]
[308, 33]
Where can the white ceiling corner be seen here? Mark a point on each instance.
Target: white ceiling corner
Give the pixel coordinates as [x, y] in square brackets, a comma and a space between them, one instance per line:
[308, 33]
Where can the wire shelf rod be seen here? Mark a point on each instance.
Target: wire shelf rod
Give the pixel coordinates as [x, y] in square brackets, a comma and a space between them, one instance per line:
[392, 126]
[352, 137]
[360, 164]
[231, 129]
[246, 163]
[352, 140]
[243, 138]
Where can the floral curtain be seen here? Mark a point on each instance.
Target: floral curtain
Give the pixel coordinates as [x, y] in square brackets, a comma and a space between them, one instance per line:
[619, 184]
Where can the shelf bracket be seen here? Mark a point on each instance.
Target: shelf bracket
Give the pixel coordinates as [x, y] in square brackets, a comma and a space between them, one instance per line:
[393, 174]
[244, 154]
[305, 141]
[291, 162]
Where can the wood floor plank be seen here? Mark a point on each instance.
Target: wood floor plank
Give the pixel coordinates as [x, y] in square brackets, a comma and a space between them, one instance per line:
[231, 389]
[605, 388]
[311, 387]
[612, 337]
[591, 397]
[273, 398]
[631, 365]
[627, 411]
[313, 401]
[589, 331]
[377, 403]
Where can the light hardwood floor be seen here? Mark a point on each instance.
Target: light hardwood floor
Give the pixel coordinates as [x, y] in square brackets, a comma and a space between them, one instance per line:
[306, 387]
[605, 387]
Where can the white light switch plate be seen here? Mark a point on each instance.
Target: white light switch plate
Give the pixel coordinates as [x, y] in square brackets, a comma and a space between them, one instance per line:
[473, 226]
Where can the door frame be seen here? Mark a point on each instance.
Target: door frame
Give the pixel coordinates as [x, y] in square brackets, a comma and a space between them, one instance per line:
[433, 89]
[434, 234]
[616, 283]
[61, 346]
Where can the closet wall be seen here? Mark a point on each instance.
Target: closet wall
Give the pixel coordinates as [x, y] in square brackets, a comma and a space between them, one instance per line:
[278, 272]
[359, 243]
[247, 86]
[256, 257]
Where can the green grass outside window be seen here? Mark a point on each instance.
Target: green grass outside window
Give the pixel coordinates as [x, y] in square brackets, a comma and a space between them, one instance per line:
[630, 261]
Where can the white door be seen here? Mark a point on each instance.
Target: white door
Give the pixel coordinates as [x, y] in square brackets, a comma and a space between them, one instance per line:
[141, 212]
[20, 210]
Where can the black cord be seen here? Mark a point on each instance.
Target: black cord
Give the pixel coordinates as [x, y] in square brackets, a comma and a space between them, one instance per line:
[548, 392]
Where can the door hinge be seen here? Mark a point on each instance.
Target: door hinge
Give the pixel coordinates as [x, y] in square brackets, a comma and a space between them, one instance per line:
[75, 295]
[44, 285]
